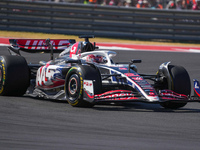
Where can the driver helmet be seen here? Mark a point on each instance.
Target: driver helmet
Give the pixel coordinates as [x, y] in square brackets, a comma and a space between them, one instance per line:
[93, 58]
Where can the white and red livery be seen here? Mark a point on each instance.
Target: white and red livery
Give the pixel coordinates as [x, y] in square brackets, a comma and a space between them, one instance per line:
[84, 76]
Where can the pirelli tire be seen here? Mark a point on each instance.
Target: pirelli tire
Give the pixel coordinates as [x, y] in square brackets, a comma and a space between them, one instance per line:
[14, 75]
[180, 84]
[74, 84]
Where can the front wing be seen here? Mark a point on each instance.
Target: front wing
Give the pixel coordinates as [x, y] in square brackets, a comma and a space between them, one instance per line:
[130, 96]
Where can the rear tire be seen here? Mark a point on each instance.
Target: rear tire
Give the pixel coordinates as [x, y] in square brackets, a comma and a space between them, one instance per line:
[180, 84]
[14, 75]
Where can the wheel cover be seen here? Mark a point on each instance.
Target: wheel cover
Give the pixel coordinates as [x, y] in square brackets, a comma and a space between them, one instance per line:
[73, 86]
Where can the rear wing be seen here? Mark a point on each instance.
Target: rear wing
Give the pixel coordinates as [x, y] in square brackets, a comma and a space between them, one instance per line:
[39, 45]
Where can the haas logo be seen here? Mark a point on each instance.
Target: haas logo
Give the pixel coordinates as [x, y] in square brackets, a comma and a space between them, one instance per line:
[45, 74]
[41, 43]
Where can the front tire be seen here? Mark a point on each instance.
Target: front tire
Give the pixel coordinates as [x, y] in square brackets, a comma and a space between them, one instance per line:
[74, 89]
[14, 75]
[180, 84]
[74, 84]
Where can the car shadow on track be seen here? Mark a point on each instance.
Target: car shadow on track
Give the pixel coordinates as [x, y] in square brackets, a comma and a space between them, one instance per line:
[142, 107]
[129, 106]
[45, 99]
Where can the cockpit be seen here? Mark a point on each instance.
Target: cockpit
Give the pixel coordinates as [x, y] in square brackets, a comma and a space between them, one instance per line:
[99, 57]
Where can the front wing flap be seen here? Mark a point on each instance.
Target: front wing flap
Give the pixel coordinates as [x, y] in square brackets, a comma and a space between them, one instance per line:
[118, 96]
[130, 96]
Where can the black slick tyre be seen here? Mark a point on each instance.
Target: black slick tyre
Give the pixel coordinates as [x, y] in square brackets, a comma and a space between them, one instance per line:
[180, 84]
[74, 84]
[14, 75]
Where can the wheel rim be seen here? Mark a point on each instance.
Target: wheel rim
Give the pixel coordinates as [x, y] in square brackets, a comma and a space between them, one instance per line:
[73, 86]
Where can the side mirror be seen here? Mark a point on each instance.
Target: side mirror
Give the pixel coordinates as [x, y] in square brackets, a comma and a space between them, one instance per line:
[133, 67]
[136, 61]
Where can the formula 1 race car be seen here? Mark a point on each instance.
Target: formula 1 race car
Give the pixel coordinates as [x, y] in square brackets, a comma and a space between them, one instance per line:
[85, 76]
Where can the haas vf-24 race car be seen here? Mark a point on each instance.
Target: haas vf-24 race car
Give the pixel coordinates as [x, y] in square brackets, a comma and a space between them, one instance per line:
[85, 76]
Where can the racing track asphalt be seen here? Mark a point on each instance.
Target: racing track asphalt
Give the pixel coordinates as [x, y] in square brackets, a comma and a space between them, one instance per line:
[29, 124]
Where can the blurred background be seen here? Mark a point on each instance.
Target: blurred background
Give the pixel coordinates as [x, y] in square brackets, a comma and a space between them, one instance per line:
[154, 4]
[176, 20]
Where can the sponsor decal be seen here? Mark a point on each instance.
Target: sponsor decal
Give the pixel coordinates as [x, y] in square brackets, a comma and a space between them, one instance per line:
[137, 78]
[116, 95]
[122, 68]
[88, 87]
[49, 76]
[131, 74]
[151, 93]
[88, 83]
[170, 94]
[38, 44]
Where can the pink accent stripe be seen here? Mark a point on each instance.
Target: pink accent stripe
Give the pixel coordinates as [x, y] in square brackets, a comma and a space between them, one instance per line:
[196, 92]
